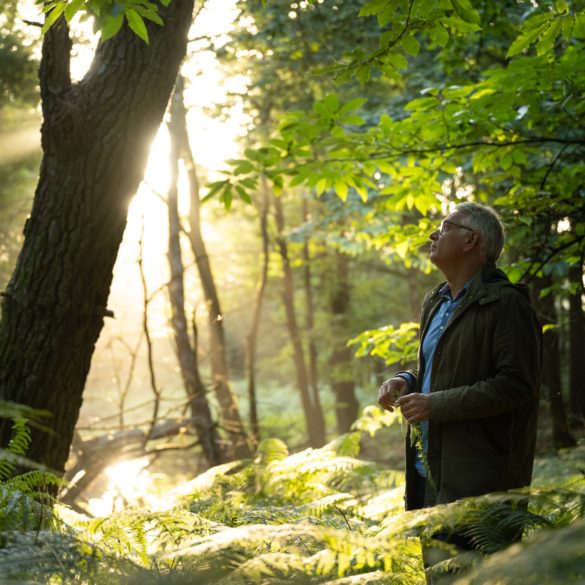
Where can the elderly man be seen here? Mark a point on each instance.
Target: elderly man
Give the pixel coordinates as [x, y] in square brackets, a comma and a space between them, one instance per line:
[475, 393]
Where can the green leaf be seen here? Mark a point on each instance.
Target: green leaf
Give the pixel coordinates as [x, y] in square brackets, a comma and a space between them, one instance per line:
[243, 194]
[53, 16]
[136, 24]
[363, 74]
[567, 25]
[352, 105]
[72, 9]
[439, 35]
[331, 103]
[579, 28]
[385, 16]
[547, 41]
[402, 249]
[465, 11]
[355, 120]
[322, 185]
[459, 24]
[410, 45]
[111, 26]
[373, 7]
[243, 167]
[341, 190]
[397, 60]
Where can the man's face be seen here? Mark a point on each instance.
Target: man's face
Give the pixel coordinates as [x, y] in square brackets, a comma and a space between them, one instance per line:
[449, 239]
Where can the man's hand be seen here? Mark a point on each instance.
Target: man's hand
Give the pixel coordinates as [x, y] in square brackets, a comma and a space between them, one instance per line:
[415, 407]
[389, 391]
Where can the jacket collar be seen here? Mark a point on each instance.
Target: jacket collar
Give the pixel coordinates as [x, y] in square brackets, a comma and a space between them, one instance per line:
[483, 287]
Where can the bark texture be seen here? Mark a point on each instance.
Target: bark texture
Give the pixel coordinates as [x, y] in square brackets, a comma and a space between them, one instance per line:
[576, 347]
[310, 315]
[313, 415]
[186, 351]
[551, 366]
[255, 325]
[95, 137]
[341, 361]
[230, 415]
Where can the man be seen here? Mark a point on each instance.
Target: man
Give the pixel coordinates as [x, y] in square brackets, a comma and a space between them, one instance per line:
[476, 390]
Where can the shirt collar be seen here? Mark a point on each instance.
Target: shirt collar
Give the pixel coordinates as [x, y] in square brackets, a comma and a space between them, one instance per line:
[445, 291]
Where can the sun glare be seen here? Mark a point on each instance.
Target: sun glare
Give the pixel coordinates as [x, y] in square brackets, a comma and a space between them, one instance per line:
[130, 483]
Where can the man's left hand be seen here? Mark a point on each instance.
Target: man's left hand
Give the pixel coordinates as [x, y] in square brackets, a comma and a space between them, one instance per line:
[414, 407]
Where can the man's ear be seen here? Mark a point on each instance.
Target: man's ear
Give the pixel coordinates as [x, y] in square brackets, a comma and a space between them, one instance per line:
[471, 242]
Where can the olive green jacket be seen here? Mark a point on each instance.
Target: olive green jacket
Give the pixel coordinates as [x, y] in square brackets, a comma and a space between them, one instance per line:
[484, 392]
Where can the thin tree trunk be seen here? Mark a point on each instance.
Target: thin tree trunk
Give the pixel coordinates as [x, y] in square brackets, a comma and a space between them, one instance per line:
[310, 317]
[186, 352]
[576, 347]
[313, 416]
[551, 367]
[231, 419]
[146, 331]
[255, 325]
[342, 381]
[96, 136]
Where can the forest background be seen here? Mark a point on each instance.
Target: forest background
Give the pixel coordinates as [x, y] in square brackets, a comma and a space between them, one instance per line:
[307, 152]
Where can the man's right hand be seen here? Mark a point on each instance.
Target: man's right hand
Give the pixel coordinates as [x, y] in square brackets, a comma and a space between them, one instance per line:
[390, 391]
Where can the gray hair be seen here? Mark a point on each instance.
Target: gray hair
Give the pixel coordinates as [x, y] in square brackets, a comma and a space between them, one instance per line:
[486, 222]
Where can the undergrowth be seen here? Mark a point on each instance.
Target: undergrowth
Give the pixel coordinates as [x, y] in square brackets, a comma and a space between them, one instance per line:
[318, 516]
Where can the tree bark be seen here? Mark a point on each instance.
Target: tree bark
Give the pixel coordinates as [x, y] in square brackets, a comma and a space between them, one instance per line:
[342, 381]
[310, 316]
[313, 416]
[228, 404]
[255, 325]
[186, 354]
[551, 367]
[576, 347]
[95, 137]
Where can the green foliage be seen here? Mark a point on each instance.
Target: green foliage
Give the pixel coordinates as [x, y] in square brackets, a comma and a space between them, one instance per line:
[109, 15]
[25, 497]
[396, 346]
[18, 69]
[503, 127]
[310, 517]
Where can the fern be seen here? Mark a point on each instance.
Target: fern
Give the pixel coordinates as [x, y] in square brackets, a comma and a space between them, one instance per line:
[17, 447]
[320, 516]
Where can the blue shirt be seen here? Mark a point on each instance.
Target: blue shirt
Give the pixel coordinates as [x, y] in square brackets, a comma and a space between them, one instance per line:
[429, 345]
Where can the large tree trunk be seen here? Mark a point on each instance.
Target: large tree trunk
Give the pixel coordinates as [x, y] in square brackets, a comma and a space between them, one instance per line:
[255, 325]
[186, 353]
[313, 415]
[342, 381]
[576, 347]
[228, 404]
[95, 137]
[551, 367]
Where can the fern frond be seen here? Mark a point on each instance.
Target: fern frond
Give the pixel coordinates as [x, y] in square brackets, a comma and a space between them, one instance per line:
[552, 556]
[17, 448]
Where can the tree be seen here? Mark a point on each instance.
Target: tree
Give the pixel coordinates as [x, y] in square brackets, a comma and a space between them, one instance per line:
[312, 410]
[228, 405]
[95, 139]
[186, 350]
[499, 121]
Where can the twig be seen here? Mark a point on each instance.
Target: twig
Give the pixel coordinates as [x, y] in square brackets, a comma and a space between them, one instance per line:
[344, 516]
[553, 253]
[150, 360]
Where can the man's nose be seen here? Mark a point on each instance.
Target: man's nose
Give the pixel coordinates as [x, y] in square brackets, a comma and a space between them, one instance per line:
[434, 235]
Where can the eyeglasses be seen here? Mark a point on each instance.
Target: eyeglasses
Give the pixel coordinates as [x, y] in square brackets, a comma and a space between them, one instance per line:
[441, 229]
